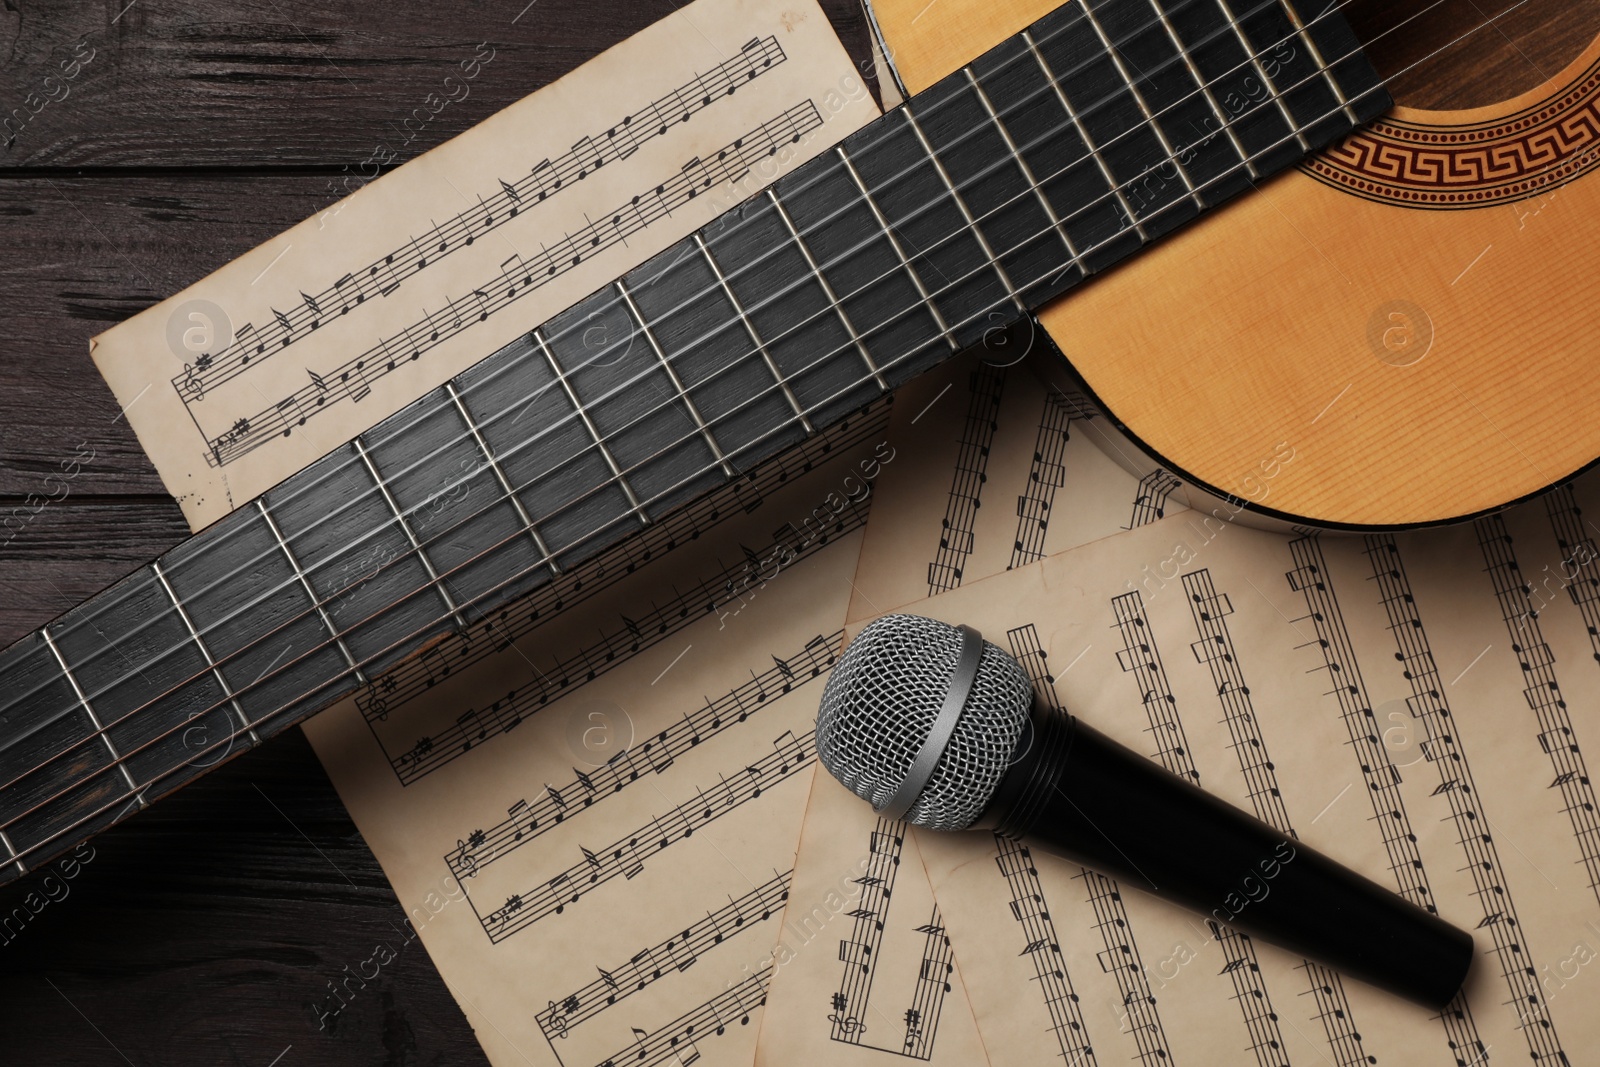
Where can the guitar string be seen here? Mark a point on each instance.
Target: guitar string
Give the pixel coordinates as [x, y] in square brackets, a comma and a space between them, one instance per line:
[320, 603]
[376, 490]
[317, 605]
[889, 182]
[567, 420]
[56, 835]
[399, 520]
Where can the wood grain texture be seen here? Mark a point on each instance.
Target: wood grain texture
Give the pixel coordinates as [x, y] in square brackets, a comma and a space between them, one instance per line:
[89, 250]
[206, 929]
[229, 84]
[1227, 345]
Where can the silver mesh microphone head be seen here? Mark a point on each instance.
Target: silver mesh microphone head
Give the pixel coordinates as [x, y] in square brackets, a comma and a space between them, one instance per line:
[881, 703]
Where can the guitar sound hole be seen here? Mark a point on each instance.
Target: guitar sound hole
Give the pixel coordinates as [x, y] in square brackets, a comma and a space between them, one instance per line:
[1428, 65]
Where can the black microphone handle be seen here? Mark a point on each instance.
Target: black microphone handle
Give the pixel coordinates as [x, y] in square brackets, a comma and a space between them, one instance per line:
[1081, 795]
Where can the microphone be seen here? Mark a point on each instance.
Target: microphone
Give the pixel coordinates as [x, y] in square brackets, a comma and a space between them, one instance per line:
[932, 724]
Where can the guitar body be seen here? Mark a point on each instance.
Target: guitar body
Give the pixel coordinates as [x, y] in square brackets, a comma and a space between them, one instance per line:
[1400, 332]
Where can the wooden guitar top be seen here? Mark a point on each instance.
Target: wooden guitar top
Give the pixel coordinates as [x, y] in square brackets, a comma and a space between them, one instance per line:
[1411, 315]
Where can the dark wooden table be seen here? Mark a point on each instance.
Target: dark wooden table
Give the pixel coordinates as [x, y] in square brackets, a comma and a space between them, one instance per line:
[204, 930]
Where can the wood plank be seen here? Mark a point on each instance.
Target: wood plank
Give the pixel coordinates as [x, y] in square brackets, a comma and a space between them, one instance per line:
[54, 554]
[294, 82]
[207, 929]
[82, 253]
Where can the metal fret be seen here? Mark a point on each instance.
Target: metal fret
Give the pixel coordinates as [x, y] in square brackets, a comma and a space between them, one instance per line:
[1088, 142]
[961, 205]
[1144, 106]
[1322, 64]
[594, 431]
[900, 252]
[93, 718]
[827, 289]
[505, 483]
[677, 383]
[405, 527]
[1027, 171]
[750, 328]
[1266, 83]
[194, 635]
[1205, 87]
[316, 602]
[16, 859]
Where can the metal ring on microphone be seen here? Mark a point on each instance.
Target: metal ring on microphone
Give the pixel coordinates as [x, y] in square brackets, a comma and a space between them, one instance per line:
[955, 699]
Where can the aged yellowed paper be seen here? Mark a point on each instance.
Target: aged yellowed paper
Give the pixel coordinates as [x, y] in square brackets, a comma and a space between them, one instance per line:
[1418, 706]
[590, 805]
[991, 471]
[302, 343]
[868, 972]
[998, 471]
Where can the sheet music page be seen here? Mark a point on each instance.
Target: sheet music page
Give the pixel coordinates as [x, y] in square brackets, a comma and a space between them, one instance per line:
[300, 344]
[998, 471]
[593, 824]
[867, 971]
[1417, 706]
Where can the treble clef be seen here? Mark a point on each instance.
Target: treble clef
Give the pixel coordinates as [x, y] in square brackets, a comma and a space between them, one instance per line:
[558, 1021]
[192, 388]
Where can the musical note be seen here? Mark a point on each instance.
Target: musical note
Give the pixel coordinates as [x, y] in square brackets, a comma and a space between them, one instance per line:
[677, 1039]
[588, 158]
[438, 660]
[623, 140]
[338, 290]
[556, 797]
[473, 728]
[626, 856]
[545, 179]
[549, 679]
[289, 413]
[242, 339]
[630, 636]
[791, 751]
[659, 758]
[618, 141]
[697, 178]
[521, 820]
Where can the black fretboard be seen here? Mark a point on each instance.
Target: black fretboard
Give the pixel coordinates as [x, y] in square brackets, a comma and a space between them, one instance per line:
[1055, 155]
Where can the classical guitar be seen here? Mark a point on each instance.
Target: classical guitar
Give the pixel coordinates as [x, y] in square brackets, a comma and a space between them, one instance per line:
[1080, 136]
[1381, 313]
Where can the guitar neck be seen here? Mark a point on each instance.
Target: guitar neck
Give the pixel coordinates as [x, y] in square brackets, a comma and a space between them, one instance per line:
[1064, 150]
